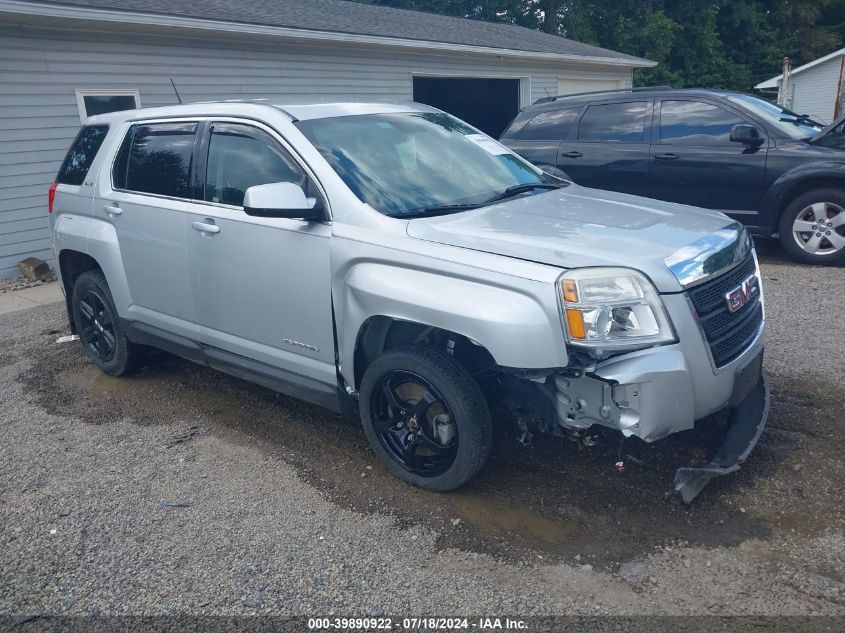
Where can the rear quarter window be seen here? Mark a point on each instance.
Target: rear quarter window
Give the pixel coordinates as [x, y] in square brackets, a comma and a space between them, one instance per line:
[548, 126]
[81, 154]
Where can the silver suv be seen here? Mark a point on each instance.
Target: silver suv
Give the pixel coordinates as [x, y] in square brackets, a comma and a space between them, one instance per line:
[390, 261]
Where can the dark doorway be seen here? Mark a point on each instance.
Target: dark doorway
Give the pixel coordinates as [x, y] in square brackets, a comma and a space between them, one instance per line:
[488, 104]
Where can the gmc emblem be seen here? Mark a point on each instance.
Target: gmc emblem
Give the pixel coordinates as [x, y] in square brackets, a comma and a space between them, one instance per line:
[742, 294]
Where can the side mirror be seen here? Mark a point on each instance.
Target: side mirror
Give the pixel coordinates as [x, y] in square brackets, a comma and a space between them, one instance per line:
[746, 134]
[281, 200]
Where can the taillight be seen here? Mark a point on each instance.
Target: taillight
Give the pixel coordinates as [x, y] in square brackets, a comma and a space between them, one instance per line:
[52, 197]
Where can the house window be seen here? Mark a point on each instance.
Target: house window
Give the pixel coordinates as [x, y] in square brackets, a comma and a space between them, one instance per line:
[91, 102]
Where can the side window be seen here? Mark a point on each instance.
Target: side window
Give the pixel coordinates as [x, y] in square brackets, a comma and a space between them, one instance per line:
[548, 126]
[695, 123]
[81, 154]
[156, 158]
[240, 156]
[614, 122]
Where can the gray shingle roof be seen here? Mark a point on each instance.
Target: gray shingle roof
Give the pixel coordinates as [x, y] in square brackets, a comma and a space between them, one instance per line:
[341, 16]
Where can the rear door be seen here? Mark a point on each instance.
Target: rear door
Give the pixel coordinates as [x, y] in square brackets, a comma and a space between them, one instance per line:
[143, 195]
[540, 135]
[693, 160]
[609, 149]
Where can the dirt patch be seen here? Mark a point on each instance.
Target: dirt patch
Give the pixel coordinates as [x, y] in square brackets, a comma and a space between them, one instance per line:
[554, 501]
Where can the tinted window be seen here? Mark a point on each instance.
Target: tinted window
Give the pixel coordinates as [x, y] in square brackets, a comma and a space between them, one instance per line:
[695, 123]
[81, 154]
[156, 159]
[101, 104]
[552, 125]
[615, 122]
[239, 157]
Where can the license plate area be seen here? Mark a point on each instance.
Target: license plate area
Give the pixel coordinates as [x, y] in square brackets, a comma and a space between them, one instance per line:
[747, 377]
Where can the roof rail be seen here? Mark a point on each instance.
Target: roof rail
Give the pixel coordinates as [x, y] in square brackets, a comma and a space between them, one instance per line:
[599, 92]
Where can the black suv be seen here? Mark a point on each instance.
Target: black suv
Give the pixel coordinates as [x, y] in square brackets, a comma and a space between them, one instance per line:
[776, 171]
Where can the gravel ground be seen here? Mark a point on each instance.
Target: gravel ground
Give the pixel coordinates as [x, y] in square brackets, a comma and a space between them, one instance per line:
[183, 491]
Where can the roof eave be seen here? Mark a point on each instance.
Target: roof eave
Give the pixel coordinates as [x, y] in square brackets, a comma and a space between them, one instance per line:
[773, 82]
[87, 14]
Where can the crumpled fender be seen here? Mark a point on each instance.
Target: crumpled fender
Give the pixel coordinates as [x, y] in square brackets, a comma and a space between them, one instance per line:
[514, 325]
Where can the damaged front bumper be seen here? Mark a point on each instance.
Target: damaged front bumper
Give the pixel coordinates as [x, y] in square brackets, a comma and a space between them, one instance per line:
[746, 423]
[655, 393]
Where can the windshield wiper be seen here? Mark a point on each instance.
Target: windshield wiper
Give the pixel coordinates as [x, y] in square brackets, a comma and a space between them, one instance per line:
[799, 119]
[441, 209]
[445, 209]
[525, 187]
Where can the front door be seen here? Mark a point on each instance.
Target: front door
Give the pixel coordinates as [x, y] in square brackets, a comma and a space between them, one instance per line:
[610, 148]
[262, 286]
[693, 160]
[144, 199]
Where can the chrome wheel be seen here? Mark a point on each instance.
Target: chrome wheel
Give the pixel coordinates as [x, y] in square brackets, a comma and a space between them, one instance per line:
[819, 229]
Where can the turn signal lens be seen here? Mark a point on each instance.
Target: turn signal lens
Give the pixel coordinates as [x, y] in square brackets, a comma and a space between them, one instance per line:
[570, 290]
[575, 321]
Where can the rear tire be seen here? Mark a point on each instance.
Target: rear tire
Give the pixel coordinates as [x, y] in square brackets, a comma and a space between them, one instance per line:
[821, 215]
[100, 330]
[447, 427]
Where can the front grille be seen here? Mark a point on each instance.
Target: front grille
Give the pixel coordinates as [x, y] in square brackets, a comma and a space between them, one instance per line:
[727, 333]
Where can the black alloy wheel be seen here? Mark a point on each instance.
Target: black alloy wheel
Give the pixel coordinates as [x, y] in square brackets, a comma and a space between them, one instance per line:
[99, 327]
[425, 417]
[414, 423]
[96, 329]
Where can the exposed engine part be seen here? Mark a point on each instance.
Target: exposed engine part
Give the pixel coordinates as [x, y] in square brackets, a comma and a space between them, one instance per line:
[582, 401]
[524, 436]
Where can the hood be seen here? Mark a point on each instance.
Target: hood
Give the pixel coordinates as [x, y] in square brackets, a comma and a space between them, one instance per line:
[576, 226]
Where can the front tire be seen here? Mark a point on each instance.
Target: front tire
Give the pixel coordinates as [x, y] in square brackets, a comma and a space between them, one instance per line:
[99, 327]
[812, 227]
[425, 417]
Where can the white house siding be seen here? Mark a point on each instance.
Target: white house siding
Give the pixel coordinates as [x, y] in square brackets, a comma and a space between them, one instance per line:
[40, 70]
[813, 91]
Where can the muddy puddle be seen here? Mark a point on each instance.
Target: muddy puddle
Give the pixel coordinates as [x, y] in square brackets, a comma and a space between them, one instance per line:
[552, 501]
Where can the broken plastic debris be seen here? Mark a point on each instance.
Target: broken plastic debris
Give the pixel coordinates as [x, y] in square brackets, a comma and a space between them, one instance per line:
[67, 339]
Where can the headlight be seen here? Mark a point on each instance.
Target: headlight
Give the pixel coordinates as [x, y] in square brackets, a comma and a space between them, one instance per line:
[612, 308]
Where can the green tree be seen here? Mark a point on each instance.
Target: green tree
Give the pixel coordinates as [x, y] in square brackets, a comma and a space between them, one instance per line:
[730, 44]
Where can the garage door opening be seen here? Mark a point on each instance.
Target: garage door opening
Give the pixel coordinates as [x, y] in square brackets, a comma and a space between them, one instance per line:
[488, 104]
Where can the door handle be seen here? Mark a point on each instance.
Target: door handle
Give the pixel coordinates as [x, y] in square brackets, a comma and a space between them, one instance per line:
[666, 156]
[112, 209]
[206, 227]
[572, 154]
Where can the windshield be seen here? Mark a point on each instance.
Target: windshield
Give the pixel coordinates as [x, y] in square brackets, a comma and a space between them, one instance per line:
[789, 123]
[404, 164]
